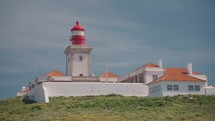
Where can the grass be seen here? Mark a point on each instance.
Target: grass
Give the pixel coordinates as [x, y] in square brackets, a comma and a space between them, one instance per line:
[111, 108]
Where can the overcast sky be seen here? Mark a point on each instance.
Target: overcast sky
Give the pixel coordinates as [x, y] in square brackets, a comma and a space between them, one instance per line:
[35, 33]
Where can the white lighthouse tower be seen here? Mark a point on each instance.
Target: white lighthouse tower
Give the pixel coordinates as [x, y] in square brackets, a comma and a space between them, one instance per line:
[78, 57]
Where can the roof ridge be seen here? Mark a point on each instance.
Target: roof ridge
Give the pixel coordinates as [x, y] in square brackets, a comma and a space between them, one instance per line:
[112, 74]
[54, 71]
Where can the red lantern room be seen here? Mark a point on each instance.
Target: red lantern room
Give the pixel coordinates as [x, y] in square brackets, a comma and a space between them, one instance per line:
[77, 36]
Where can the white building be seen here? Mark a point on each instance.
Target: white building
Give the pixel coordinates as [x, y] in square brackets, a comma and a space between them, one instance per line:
[79, 80]
[144, 74]
[147, 80]
[178, 81]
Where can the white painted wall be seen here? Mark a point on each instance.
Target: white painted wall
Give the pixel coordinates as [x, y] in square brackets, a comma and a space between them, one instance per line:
[210, 90]
[109, 79]
[149, 75]
[183, 88]
[68, 65]
[54, 89]
[39, 93]
[80, 66]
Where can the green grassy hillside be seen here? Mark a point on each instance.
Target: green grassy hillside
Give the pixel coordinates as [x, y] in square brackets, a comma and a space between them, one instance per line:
[111, 108]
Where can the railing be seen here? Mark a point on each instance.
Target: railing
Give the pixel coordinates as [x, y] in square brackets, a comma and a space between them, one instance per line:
[60, 78]
[41, 79]
[87, 79]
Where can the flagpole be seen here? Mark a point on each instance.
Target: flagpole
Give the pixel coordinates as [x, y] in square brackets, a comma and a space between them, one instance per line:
[105, 62]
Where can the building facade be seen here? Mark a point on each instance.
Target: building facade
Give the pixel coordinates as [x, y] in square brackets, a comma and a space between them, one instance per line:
[178, 81]
[144, 74]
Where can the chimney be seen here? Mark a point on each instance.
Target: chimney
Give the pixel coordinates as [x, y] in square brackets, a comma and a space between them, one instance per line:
[189, 69]
[160, 63]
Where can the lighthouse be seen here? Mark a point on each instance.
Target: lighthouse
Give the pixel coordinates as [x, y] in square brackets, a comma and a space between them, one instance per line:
[77, 37]
[78, 54]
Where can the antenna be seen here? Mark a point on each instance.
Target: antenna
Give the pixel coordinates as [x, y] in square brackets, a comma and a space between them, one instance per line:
[76, 18]
[105, 62]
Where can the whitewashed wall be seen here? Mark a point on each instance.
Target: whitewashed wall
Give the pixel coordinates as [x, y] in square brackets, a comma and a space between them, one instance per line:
[80, 66]
[54, 89]
[109, 79]
[210, 90]
[38, 93]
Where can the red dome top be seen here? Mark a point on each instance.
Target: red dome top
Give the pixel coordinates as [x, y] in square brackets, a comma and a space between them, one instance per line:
[77, 27]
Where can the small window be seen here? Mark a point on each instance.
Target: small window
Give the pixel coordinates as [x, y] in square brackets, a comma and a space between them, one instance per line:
[80, 58]
[169, 87]
[154, 77]
[197, 88]
[80, 74]
[159, 88]
[175, 87]
[155, 88]
[190, 87]
[151, 90]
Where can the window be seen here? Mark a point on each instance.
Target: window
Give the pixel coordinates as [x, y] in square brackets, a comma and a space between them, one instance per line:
[190, 87]
[151, 90]
[155, 89]
[80, 58]
[197, 88]
[140, 79]
[175, 87]
[80, 74]
[169, 87]
[154, 77]
[159, 88]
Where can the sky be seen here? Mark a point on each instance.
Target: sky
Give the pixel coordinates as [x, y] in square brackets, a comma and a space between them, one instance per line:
[35, 33]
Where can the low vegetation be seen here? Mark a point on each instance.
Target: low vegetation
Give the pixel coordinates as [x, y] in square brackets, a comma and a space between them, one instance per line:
[110, 108]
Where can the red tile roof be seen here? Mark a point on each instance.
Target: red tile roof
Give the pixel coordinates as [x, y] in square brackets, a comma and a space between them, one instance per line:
[109, 74]
[26, 90]
[54, 73]
[148, 65]
[177, 74]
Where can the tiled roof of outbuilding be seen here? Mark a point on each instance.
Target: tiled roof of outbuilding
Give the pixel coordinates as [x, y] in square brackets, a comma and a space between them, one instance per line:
[109, 74]
[177, 74]
[54, 73]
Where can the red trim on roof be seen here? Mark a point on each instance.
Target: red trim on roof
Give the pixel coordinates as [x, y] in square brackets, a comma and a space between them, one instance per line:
[177, 74]
[54, 73]
[109, 74]
[148, 65]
